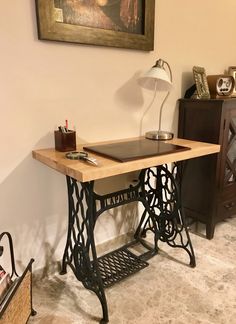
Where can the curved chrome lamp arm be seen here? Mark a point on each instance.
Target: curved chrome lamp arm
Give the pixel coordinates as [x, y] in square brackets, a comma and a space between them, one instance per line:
[147, 109]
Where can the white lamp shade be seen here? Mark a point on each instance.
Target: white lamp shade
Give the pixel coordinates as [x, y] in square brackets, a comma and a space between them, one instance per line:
[156, 78]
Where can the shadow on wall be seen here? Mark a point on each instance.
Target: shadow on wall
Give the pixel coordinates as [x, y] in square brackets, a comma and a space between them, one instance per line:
[131, 93]
[33, 209]
[33, 201]
[30, 199]
[186, 83]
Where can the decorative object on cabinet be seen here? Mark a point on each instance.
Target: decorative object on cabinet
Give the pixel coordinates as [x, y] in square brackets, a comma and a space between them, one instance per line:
[190, 92]
[16, 302]
[220, 85]
[209, 183]
[199, 75]
[156, 79]
[127, 24]
[232, 71]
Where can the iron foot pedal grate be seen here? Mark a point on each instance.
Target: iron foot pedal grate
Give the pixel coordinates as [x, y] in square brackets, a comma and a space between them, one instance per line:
[118, 265]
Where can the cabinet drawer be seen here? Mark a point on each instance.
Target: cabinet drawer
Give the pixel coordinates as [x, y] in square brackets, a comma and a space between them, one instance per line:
[226, 209]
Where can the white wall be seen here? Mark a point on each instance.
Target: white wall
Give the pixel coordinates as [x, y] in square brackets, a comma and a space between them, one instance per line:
[43, 83]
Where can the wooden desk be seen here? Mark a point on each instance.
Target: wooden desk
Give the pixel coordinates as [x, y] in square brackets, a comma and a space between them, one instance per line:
[84, 172]
[162, 214]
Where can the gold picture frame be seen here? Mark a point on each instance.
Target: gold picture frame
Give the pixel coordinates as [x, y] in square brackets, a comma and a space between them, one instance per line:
[232, 72]
[51, 25]
[199, 75]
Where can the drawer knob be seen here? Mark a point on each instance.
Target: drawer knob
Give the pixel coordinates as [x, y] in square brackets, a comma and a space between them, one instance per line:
[230, 205]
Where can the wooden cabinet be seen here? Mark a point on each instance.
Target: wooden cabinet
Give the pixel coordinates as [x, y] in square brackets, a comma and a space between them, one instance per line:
[208, 183]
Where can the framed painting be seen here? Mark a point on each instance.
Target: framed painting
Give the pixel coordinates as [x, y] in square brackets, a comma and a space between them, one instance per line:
[117, 23]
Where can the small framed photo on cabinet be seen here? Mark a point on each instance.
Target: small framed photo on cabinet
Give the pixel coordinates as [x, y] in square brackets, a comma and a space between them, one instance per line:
[199, 75]
[232, 71]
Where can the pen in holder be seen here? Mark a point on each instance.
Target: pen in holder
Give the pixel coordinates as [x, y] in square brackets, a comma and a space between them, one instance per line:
[65, 141]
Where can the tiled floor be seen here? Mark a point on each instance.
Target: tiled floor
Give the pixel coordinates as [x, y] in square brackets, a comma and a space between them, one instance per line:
[167, 291]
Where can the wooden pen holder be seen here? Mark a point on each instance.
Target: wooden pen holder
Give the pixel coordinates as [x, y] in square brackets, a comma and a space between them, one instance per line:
[65, 142]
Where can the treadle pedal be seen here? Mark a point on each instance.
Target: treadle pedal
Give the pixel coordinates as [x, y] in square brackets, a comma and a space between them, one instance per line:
[118, 265]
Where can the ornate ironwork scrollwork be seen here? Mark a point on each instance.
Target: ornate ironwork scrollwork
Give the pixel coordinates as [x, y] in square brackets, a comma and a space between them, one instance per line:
[162, 194]
[158, 191]
[80, 252]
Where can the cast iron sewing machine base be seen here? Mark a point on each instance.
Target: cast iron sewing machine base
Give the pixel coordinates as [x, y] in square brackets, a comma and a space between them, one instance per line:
[158, 191]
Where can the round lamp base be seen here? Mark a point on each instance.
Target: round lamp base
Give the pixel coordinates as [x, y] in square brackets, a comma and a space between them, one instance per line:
[159, 135]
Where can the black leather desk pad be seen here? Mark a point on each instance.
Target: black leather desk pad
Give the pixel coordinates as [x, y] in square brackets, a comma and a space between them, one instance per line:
[133, 150]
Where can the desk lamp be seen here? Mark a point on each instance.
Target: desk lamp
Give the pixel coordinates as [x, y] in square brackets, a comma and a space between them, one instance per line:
[156, 79]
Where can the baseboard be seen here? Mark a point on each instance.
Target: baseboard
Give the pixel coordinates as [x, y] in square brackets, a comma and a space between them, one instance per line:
[113, 243]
